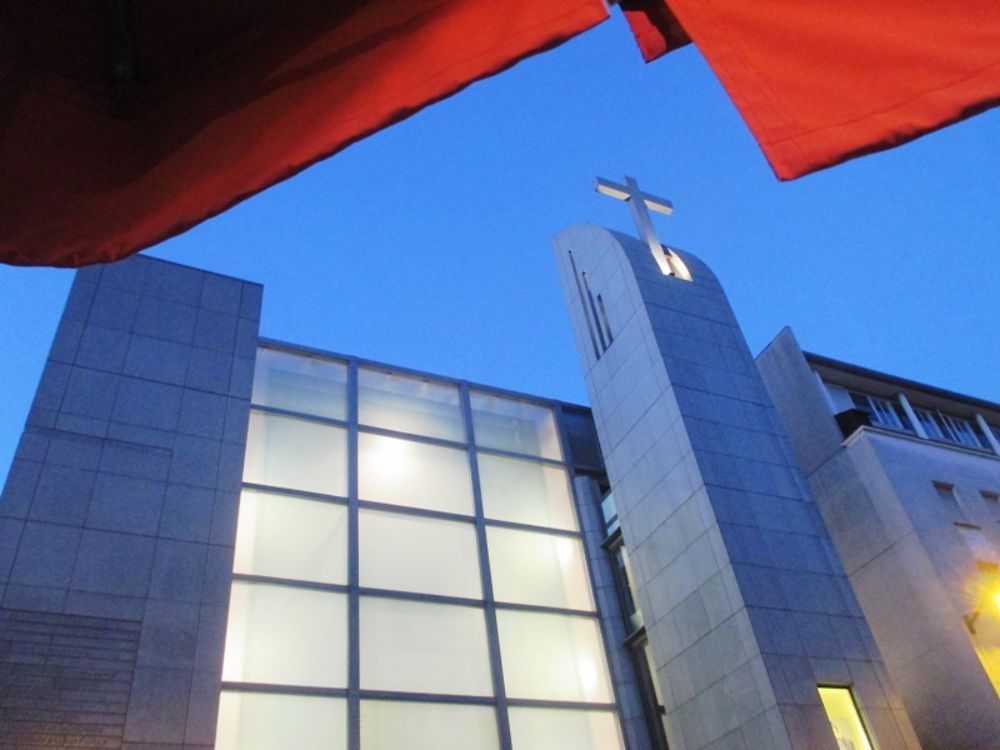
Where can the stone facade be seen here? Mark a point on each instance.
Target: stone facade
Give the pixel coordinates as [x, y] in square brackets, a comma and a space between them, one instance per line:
[747, 607]
[117, 521]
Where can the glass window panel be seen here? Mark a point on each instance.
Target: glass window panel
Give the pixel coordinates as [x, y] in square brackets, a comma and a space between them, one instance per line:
[409, 404]
[268, 721]
[296, 453]
[424, 555]
[535, 568]
[392, 725]
[929, 421]
[423, 648]
[286, 636]
[525, 491]
[405, 472]
[546, 728]
[300, 383]
[290, 537]
[553, 657]
[512, 425]
[844, 718]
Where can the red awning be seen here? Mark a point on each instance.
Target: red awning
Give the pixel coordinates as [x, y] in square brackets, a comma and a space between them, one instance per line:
[124, 123]
[821, 82]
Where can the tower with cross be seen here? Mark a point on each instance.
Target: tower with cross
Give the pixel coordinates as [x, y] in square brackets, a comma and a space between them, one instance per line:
[713, 508]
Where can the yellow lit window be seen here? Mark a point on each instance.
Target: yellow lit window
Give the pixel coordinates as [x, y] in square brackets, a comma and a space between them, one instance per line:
[844, 718]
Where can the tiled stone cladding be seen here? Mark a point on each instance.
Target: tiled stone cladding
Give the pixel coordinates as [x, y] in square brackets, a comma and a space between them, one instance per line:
[121, 501]
[746, 605]
[906, 559]
[64, 679]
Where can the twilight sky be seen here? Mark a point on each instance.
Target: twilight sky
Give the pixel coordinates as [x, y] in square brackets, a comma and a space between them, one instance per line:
[428, 245]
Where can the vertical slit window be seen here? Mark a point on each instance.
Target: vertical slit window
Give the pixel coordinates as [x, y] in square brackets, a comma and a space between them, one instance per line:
[591, 322]
[593, 312]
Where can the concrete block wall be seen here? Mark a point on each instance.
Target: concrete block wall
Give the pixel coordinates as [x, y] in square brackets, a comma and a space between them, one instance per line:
[117, 521]
[746, 605]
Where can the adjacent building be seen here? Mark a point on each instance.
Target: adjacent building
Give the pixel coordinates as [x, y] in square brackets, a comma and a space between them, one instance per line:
[907, 478]
[211, 539]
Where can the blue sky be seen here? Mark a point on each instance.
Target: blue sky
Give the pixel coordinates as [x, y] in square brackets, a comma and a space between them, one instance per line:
[428, 245]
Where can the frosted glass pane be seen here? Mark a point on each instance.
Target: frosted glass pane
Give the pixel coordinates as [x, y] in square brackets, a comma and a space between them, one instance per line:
[286, 636]
[296, 453]
[290, 537]
[423, 648]
[547, 728]
[536, 568]
[553, 657]
[267, 721]
[398, 725]
[424, 555]
[404, 472]
[300, 383]
[526, 492]
[516, 426]
[409, 404]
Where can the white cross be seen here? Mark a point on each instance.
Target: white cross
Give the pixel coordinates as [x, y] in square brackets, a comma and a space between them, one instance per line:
[639, 201]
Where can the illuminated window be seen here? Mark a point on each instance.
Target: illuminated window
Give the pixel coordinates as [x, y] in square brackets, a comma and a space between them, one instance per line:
[283, 536]
[405, 552]
[264, 721]
[534, 568]
[518, 426]
[528, 492]
[547, 728]
[391, 725]
[296, 453]
[297, 382]
[409, 404]
[414, 474]
[845, 720]
[553, 657]
[419, 647]
[284, 635]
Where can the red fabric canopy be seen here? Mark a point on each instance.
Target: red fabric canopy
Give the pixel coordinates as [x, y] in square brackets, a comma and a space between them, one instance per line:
[124, 123]
[821, 82]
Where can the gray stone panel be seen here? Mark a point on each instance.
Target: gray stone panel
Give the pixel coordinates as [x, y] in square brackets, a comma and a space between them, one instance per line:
[128, 469]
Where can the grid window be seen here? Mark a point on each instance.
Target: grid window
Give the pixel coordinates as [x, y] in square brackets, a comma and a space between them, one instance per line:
[512, 425]
[301, 383]
[414, 474]
[414, 553]
[391, 725]
[409, 404]
[553, 657]
[524, 491]
[296, 453]
[547, 728]
[283, 536]
[283, 635]
[266, 721]
[535, 568]
[420, 647]
[363, 540]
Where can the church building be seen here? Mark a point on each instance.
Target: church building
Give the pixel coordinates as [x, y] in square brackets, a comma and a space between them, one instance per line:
[209, 539]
